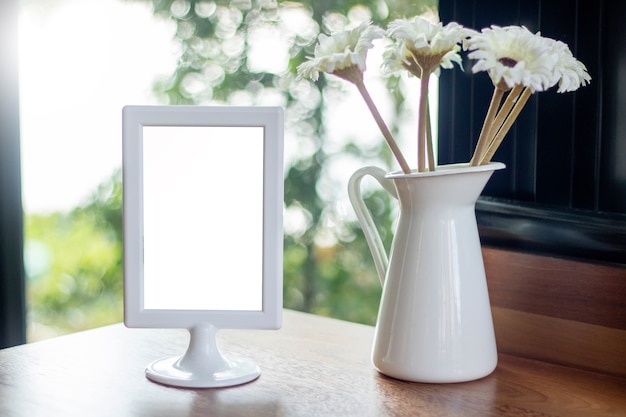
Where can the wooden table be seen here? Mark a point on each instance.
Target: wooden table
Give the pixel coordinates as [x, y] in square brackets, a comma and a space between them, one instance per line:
[314, 366]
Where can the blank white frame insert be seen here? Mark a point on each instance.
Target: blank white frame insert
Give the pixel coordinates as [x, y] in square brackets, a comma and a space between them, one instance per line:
[203, 200]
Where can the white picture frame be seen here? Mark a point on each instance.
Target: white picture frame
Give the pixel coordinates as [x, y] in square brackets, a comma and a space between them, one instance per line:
[203, 203]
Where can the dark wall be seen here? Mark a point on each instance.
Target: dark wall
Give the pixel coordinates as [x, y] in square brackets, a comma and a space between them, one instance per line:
[564, 189]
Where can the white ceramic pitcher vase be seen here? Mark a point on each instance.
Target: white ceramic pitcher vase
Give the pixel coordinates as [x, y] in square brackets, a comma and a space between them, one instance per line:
[434, 323]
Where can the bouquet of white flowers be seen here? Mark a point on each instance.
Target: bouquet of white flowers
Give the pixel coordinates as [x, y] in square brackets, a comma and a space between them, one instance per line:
[518, 62]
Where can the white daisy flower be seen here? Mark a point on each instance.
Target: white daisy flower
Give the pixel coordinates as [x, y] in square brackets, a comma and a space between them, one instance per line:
[513, 55]
[341, 51]
[569, 73]
[343, 54]
[423, 43]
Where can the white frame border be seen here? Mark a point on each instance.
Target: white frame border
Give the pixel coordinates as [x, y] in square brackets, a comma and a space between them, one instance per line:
[271, 119]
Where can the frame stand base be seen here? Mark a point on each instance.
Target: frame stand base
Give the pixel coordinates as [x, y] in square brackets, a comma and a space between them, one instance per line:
[202, 366]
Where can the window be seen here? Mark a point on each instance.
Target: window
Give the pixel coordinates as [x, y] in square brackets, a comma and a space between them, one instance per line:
[75, 75]
[324, 247]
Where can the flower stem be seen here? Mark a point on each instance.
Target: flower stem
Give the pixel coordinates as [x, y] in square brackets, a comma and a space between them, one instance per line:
[383, 127]
[506, 126]
[423, 123]
[504, 111]
[429, 141]
[485, 137]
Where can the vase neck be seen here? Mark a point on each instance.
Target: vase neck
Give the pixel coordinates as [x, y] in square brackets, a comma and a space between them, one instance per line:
[462, 188]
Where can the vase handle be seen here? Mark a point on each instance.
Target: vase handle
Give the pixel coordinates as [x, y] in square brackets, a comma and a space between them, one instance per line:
[364, 216]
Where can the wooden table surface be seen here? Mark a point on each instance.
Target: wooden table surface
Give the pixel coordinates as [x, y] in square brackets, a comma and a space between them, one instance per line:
[313, 366]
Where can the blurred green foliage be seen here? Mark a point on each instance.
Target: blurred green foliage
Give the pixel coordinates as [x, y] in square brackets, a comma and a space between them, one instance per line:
[75, 279]
[74, 264]
[327, 265]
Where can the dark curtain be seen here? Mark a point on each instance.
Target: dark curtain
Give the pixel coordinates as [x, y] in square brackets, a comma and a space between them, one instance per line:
[12, 304]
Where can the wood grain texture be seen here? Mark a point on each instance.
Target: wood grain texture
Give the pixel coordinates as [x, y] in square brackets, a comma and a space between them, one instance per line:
[558, 310]
[554, 287]
[312, 367]
[561, 341]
